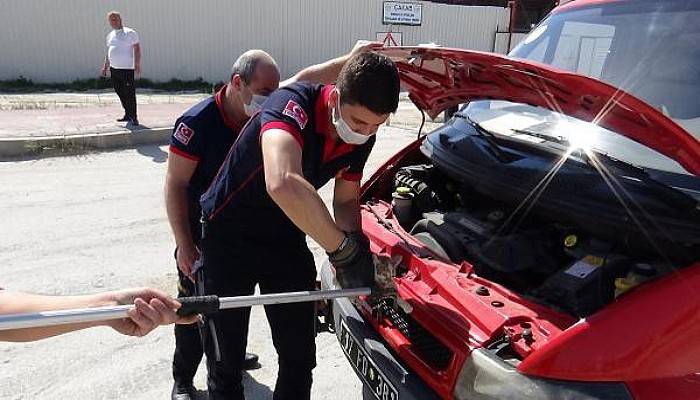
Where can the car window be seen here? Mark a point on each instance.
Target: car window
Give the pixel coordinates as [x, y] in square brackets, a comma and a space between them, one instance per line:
[647, 48]
[583, 47]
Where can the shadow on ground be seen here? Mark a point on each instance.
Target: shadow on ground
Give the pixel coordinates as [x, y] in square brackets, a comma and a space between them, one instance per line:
[254, 390]
[136, 128]
[154, 152]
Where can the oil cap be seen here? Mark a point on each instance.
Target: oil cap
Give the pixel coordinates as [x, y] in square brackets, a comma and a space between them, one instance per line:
[570, 241]
[403, 190]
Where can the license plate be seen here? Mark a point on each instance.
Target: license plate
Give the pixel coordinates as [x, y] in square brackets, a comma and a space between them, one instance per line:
[365, 367]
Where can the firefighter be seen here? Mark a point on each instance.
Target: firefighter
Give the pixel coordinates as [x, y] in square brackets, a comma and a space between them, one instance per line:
[263, 202]
[200, 140]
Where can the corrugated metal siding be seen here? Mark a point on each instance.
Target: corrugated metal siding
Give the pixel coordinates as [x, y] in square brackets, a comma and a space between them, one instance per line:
[502, 41]
[64, 40]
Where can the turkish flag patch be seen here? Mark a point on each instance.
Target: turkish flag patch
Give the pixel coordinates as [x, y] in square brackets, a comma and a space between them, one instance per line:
[296, 112]
[183, 133]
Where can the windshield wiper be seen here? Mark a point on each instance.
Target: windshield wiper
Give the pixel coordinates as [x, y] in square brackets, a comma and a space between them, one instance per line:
[549, 138]
[485, 134]
[684, 200]
[679, 198]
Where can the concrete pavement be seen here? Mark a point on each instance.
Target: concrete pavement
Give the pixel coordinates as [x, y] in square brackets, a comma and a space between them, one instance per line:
[65, 234]
[95, 222]
[47, 124]
[44, 124]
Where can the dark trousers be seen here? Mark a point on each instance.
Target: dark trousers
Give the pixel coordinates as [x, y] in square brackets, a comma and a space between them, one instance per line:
[123, 82]
[233, 265]
[188, 344]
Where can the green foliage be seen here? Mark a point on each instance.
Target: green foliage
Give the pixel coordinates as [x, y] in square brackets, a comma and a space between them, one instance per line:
[24, 85]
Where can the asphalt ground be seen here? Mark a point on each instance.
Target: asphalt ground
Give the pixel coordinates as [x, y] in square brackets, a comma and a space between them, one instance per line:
[96, 221]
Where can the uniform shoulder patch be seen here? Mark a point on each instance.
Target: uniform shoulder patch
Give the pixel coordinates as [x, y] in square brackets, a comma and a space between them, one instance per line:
[183, 133]
[297, 113]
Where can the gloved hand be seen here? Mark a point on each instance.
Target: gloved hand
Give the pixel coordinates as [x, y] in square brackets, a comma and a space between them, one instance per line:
[360, 238]
[354, 266]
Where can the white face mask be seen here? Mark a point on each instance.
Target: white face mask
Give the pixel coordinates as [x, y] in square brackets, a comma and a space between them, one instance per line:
[346, 134]
[255, 104]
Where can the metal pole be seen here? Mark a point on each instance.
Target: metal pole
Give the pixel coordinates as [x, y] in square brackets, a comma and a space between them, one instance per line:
[61, 317]
[79, 315]
[289, 297]
[512, 4]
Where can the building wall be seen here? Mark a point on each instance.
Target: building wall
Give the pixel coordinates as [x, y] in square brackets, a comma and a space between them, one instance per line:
[502, 41]
[59, 41]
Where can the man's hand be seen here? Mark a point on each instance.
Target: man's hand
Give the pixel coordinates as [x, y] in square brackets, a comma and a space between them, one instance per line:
[363, 46]
[151, 309]
[186, 257]
[137, 71]
[354, 266]
[103, 72]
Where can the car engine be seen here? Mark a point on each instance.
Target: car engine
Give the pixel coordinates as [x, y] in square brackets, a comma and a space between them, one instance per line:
[548, 261]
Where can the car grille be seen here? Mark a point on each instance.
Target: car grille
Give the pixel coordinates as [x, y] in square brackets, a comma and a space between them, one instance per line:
[423, 343]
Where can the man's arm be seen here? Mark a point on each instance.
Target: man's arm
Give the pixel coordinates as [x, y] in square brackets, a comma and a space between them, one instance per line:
[293, 194]
[177, 180]
[105, 66]
[346, 205]
[151, 308]
[328, 71]
[137, 60]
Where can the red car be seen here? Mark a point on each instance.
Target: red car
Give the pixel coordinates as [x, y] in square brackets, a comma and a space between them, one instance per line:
[545, 242]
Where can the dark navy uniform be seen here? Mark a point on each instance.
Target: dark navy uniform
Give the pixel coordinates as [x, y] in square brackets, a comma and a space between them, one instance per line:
[248, 239]
[202, 134]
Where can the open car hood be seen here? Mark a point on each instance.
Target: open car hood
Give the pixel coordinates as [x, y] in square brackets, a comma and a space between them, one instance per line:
[440, 78]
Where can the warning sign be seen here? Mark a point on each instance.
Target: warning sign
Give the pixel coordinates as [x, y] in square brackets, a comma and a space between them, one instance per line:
[390, 39]
[402, 13]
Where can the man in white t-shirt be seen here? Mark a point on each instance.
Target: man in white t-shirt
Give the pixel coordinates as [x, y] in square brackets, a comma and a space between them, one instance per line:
[124, 62]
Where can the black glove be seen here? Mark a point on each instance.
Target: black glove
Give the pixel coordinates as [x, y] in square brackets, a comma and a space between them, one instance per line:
[353, 262]
[360, 238]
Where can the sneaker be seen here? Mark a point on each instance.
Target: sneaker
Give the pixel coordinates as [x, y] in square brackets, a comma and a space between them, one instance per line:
[133, 122]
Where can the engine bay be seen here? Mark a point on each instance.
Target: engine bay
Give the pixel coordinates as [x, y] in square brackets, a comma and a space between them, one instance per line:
[545, 260]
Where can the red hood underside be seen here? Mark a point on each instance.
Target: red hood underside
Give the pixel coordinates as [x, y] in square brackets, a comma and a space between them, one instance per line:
[440, 78]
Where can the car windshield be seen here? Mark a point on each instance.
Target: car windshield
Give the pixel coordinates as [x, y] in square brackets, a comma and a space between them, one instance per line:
[647, 48]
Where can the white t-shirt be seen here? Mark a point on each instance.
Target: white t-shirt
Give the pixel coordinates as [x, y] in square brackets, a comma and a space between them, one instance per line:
[120, 44]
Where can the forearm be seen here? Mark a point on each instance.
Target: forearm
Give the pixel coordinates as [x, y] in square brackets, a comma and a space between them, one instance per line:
[300, 202]
[347, 215]
[11, 303]
[137, 56]
[326, 72]
[105, 65]
[177, 208]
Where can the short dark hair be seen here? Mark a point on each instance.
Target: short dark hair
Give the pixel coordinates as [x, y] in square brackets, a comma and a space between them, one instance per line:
[371, 80]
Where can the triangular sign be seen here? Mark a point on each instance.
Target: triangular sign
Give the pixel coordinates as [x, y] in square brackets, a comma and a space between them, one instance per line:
[389, 40]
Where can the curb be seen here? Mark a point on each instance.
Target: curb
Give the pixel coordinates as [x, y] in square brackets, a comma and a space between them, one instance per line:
[47, 146]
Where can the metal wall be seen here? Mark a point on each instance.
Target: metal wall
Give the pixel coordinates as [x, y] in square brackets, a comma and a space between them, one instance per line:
[503, 38]
[58, 41]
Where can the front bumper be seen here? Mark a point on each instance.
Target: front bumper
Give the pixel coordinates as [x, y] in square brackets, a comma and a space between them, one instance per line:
[408, 385]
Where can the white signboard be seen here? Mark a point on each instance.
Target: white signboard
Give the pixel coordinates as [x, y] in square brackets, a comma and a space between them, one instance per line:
[402, 13]
[390, 39]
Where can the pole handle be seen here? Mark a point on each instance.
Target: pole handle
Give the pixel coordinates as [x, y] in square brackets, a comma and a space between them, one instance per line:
[198, 305]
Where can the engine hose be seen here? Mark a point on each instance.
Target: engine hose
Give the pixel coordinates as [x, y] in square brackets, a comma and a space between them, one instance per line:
[425, 199]
[449, 243]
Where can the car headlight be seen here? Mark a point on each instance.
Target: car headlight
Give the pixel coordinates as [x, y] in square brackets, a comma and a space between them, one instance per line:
[486, 377]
